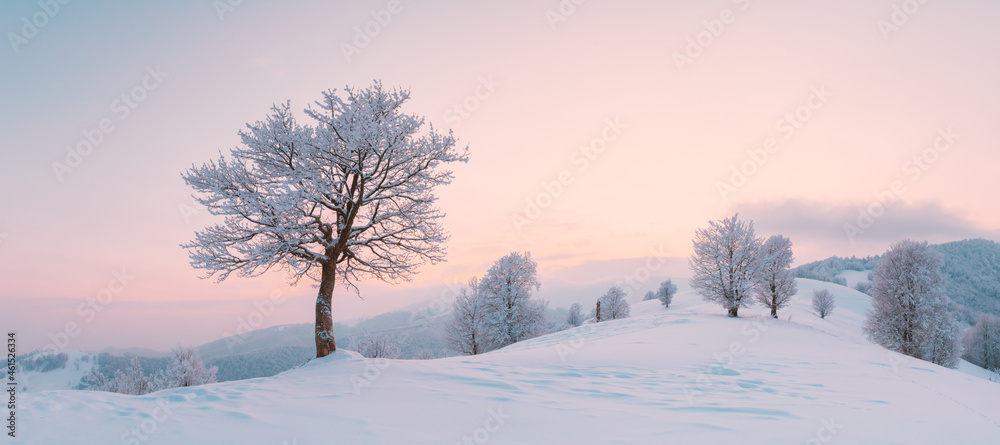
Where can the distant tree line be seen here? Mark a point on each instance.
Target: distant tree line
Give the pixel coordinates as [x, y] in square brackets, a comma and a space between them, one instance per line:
[184, 368]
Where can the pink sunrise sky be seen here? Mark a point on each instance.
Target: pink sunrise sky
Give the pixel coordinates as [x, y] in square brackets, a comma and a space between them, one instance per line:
[843, 98]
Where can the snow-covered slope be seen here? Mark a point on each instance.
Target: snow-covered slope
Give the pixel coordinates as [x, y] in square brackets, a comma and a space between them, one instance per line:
[686, 374]
[67, 376]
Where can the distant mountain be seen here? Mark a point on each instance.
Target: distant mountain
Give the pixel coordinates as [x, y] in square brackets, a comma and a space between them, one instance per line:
[291, 335]
[971, 267]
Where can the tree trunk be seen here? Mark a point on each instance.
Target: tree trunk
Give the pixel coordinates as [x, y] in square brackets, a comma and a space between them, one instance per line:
[733, 311]
[324, 317]
[598, 311]
[774, 311]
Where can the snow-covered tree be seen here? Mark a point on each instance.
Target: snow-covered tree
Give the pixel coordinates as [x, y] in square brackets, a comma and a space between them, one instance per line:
[941, 340]
[348, 197]
[131, 381]
[575, 317]
[724, 263]
[909, 311]
[613, 305]
[650, 295]
[512, 315]
[823, 302]
[982, 343]
[376, 345]
[666, 292]
[187, 369]
[467, 331]
[864, 287]
[775, 283]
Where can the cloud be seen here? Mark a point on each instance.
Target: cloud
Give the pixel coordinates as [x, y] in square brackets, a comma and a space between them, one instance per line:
[846, 229]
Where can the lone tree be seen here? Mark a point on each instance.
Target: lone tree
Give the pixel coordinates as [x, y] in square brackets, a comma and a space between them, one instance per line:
[823, 302]
[724, 263]
[512, 315]
[612, 305]
[775, 283]
[909, 311]
[348, 197]
[666, 292]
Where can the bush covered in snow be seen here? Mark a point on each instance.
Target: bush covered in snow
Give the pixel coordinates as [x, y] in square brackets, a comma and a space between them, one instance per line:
[864, 287]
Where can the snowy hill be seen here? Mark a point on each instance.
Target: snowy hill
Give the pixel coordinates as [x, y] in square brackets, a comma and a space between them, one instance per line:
[686, 374]
[48, 371]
